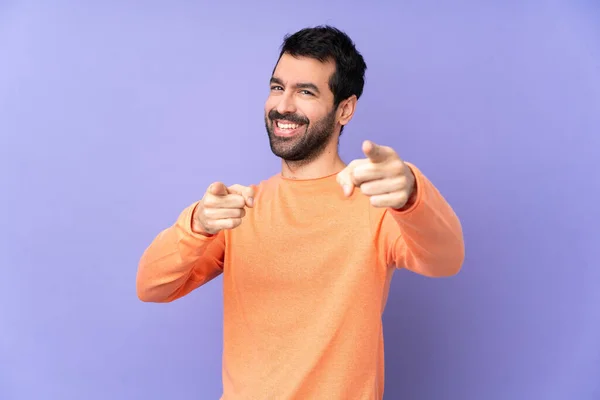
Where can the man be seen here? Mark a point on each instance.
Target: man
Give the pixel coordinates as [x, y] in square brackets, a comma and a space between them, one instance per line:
[307, 255]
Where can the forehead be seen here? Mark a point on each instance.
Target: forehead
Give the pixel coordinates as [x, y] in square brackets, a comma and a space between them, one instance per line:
[292, 70]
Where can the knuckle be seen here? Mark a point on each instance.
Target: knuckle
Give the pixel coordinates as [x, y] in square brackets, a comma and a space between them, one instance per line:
[402, 181]
[208, 226]
[366, 188]
[207, 211]
[356, 177]
[209, 201]
[402, 197]
[397, 167]
[239, 201]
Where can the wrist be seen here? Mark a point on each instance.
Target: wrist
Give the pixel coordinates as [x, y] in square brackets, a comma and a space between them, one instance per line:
[196, 225]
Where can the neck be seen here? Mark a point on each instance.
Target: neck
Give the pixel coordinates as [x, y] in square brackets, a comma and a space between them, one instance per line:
[327, 163]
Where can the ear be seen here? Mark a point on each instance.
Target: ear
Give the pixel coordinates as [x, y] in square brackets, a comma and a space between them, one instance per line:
[346, 110]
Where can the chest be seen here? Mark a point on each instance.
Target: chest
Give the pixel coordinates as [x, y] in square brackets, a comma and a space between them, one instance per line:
[302, 247]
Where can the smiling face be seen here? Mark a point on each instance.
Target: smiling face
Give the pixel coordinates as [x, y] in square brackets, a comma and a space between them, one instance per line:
[300, 117]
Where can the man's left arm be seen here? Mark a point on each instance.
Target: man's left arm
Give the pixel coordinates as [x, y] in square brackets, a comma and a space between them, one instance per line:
[422, 231]
[430, 239]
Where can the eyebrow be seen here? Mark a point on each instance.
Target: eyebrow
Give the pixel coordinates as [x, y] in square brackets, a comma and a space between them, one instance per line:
[301, 85]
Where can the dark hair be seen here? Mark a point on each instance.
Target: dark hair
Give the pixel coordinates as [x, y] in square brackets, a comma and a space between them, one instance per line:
[325, 43]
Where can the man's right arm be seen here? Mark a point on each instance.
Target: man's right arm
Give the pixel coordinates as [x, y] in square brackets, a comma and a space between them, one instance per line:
[179, 260]
[191, 252]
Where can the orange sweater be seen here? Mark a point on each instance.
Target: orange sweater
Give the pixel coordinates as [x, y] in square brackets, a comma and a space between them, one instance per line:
[305, 282]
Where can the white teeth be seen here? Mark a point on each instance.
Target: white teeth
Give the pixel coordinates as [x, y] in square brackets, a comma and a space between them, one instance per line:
[287, 126]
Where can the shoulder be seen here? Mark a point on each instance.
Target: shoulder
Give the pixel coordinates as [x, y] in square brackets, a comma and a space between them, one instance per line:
[265, 186]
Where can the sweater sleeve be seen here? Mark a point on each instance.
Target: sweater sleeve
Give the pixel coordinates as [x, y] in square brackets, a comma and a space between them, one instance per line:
[427, 237]
[178, 261]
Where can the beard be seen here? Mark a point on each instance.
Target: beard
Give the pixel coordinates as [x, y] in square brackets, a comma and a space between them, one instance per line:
[304, 146]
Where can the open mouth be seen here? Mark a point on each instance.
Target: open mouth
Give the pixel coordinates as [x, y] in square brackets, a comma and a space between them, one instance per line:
[286, 128]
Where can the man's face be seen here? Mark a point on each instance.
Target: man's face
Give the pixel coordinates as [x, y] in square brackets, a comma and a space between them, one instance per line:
[299, 114]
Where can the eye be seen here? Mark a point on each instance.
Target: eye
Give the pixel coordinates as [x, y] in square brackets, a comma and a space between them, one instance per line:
[306, 92]
[275, 88]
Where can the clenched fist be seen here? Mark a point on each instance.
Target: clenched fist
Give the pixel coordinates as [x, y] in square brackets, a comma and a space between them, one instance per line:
[382, 176]
[221, 208]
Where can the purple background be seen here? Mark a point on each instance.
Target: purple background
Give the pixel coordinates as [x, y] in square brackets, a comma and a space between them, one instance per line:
[114, 116]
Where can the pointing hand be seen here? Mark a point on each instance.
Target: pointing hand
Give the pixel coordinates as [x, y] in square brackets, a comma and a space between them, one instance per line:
[221, 208]
[382, 176]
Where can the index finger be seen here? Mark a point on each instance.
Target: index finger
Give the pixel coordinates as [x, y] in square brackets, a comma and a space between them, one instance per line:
[232, 200]
[375, 152]
[246, 192]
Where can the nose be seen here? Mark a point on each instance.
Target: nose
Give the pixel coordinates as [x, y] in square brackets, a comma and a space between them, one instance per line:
[286, 105]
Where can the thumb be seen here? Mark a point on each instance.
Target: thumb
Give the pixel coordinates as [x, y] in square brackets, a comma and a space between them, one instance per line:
[246, 192]
[344, 178]
[218, 189]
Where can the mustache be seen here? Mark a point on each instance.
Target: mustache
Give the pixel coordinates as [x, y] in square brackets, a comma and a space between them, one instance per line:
[297, 119]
